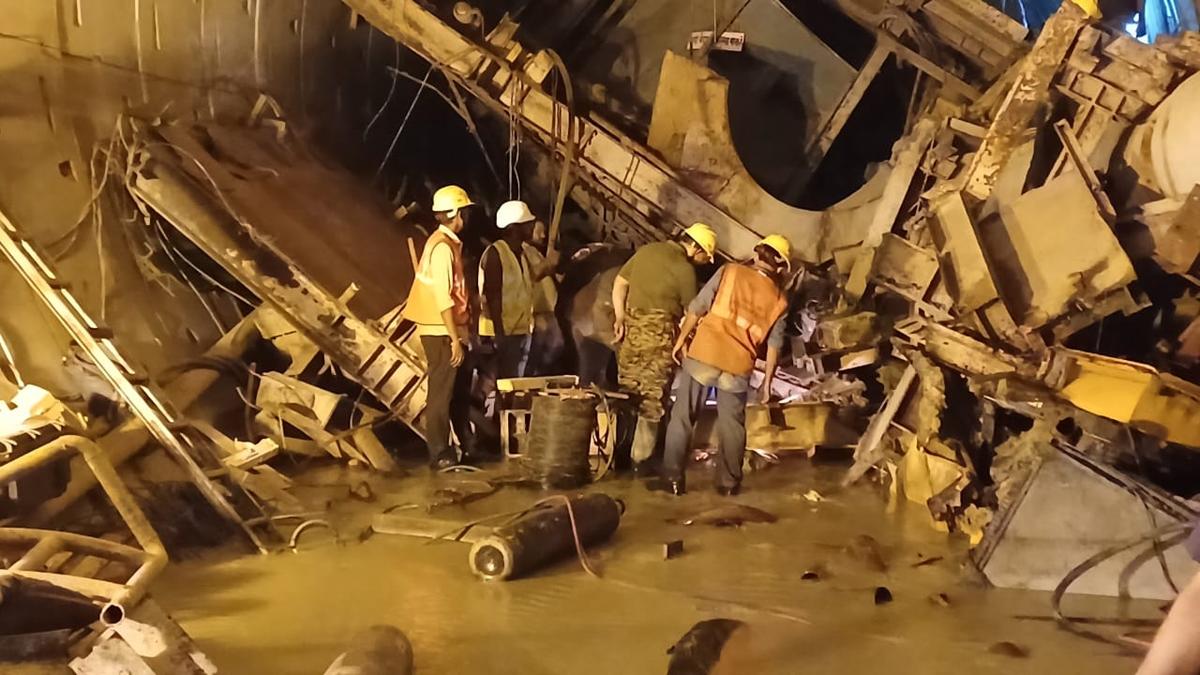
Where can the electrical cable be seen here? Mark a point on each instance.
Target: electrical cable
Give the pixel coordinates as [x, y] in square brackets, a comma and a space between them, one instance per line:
[200, 297]
[404, 122]
[579, 550]
[572, 148]
[1158, 548]
[607, 442]
[1066, 623]
[386, 101]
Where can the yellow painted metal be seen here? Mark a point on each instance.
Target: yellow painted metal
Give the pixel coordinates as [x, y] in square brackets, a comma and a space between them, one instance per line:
[1158, 404]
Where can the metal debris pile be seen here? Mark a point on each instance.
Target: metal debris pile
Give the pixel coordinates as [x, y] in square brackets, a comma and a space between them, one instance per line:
[1027, 284]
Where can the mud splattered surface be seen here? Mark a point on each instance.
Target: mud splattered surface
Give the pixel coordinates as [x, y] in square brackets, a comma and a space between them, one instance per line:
[292, 613]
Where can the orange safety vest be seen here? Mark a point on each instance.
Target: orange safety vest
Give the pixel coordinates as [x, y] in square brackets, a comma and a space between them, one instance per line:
[421, 307]
[746, 306]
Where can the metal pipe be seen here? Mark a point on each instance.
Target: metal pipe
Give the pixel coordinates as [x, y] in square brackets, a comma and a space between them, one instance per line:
[130, 437]
[153, 556]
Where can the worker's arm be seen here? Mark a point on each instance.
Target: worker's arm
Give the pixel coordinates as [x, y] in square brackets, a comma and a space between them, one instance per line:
[441, 271]
[493, 290]
[769, 373]
[699, 305]
[542, 267]
[774, 345]
[690, 321]
[456, 340]
[1176, 647]
[619, 293]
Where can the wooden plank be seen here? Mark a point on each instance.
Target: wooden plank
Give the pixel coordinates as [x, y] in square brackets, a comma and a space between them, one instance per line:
[868, 453]
[1075, 153]
[1027, 97]
[950, 81]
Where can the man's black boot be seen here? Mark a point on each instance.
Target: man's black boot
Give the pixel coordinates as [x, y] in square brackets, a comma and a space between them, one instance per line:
[729, 490]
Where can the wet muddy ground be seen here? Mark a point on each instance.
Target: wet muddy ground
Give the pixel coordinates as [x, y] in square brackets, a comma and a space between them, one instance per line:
[292, 613]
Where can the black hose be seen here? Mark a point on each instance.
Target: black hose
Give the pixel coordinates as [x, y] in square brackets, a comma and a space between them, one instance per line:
[1066, 623]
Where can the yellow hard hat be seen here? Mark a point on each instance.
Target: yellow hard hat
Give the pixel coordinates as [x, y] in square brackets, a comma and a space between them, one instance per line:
[450, 199]
[1092, 7]
[779, 244]
[704, 236]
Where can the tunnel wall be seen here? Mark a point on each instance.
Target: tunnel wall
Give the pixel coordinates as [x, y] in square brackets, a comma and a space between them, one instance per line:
[69, 68]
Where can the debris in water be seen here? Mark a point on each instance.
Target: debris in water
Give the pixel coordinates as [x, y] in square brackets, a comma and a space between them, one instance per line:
[867, 549]
[463, 493]
[882, 595]
[1006, 648]
[940, 599]
[362, 492]
[379, 650]
[810, 575]
[672, 549]
[731, 515]
[814, 496]
[700, 648]
[927, 561]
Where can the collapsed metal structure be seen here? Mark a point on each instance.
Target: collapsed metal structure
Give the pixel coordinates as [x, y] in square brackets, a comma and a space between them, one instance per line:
[998, 231]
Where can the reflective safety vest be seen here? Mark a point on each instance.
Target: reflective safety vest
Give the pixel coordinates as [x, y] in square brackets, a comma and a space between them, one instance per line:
[545, 292]
[422, 306]
[515, 290]
[746, 306]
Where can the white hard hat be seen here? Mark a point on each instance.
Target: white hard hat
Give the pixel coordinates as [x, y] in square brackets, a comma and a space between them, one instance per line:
[513, 212]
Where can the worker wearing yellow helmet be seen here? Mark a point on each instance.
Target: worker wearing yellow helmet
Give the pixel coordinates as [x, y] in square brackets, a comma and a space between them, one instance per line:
[437, 304]
[739, 309]
[649, 297]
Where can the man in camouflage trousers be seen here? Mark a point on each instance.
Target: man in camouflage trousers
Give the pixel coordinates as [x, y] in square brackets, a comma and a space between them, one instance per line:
[649, 297]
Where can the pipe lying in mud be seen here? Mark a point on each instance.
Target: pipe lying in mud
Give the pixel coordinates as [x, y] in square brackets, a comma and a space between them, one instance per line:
[150, 560]
[546, 534]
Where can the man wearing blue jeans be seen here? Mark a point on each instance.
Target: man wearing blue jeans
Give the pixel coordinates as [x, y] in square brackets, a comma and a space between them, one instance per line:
[741, 307]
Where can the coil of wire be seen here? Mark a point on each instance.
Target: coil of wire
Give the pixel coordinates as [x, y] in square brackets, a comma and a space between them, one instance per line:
[560, 436]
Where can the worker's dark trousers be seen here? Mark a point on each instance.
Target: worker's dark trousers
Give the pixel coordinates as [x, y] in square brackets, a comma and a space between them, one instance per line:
[731, 431]
[510, 349]
[545, 346]
[448, 400]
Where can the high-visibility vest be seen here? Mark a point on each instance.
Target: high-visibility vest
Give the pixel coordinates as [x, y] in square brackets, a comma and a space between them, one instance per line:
[421, 307]
[515, 290]
[545, 291]
[746, 306]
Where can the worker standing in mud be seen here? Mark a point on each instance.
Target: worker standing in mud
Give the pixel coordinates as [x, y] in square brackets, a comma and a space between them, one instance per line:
[506, 289]
[742, 306]
[437, 304]
[649, 296]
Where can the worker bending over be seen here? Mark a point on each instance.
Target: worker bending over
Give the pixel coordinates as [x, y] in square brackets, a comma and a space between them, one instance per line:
[437, 304]
[742, 306]
[649, 296]
[505, 289]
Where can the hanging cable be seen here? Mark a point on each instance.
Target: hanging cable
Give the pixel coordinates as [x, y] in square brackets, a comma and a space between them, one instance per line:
[564, 182]
[386, 101]
[407, 115]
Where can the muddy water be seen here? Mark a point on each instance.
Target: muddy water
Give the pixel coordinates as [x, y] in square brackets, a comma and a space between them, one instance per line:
[292, 613]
